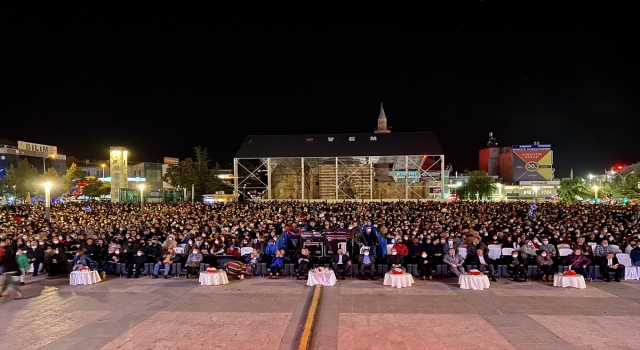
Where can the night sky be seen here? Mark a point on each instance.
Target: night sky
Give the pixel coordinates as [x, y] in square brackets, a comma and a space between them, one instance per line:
[161, 79]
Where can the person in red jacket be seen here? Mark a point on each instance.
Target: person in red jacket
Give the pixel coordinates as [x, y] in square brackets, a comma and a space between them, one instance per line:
[401, 248]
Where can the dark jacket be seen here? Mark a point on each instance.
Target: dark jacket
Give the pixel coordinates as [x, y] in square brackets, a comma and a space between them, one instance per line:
[154, 251]
[345, 258]
[394, 259]
[605, 262]
[37, 254]
[301, 256]
[475, 259]
[139, 260]
[635, 254]
[510, 260]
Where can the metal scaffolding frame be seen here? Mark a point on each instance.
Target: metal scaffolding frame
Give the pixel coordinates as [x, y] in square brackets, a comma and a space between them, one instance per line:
[360, 171]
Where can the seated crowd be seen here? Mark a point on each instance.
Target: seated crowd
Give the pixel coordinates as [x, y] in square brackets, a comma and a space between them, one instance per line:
[456, 235]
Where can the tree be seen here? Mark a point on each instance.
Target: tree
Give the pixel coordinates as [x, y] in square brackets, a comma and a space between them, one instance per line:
[197, 173]
[181, 175]
[574, 190]
[479, 184]
[73, 174]
[58, 187]
[21, 180]
[625, 186]
[96, 188]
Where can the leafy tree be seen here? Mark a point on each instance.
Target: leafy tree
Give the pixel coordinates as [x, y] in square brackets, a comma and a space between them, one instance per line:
[625, 186]
[479, 183]
[96, 188]
[181, 175]
[21, 180]
[573, 190]
[73, 174]
[197, 173]
[58, 187]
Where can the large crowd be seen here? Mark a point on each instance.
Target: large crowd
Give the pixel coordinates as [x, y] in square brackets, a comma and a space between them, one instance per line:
[104, 234]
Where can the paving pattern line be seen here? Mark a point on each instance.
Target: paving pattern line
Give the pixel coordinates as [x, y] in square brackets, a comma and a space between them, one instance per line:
[307, 331]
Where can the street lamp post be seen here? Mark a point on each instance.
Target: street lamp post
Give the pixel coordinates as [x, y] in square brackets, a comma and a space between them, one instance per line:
[141, 187]
[103, 166]
[47, 201]
[595, 188]
[44, 164]
[535, 191]
[499, 191]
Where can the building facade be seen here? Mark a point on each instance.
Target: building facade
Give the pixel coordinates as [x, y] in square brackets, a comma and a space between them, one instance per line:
[41, 157]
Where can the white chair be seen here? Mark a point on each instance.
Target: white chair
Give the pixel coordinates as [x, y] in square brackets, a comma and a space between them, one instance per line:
[496, 246]
[389, 246]
[507, 251]
[246, 251]
[494, 253]
[592, 244]
[563, 245]
[343, 246]
[615, 248]
[182, 245]
[565, 251]
[462, 252]
[630, 272]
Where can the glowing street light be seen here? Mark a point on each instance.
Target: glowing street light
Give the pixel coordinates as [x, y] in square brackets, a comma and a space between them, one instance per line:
[595, 188]
[44, 165]
[141, 187]
[499, 191]
[103, 166]
[47, 201]
[535, 191]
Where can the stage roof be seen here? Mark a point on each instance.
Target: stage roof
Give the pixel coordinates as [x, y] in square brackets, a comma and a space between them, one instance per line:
[339, 145]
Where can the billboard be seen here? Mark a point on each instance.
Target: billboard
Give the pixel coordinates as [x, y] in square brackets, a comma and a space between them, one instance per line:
[532, 163]
[30, 146]
[171, 161]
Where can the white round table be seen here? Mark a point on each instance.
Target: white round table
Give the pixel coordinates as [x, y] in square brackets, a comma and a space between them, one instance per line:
[327, 278]
[84, 277]
[474, 282]
[213, 279]
[563, 281]
[400, 281]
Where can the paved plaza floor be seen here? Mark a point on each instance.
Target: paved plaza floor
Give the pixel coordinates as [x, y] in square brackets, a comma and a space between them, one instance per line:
[258, 313]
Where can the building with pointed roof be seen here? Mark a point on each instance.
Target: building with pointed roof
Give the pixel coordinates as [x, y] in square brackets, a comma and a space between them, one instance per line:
[378, 165]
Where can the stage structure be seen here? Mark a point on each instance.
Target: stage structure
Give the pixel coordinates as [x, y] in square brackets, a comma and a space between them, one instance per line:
[371, 166]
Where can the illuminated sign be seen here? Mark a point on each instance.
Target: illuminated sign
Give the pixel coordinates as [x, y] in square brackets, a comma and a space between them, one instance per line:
[531, 147]
[533, 165]
[36, 147]
[171, 161]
